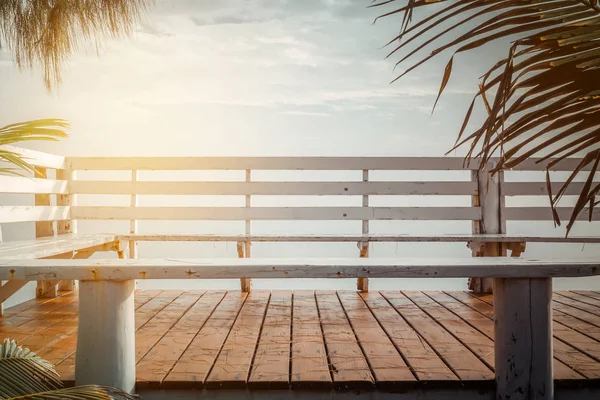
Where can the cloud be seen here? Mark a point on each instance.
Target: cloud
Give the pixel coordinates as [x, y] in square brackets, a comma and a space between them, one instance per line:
[306, 113]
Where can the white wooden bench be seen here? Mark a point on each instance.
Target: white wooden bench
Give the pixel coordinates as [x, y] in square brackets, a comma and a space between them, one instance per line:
[106, 335]
[52, 239]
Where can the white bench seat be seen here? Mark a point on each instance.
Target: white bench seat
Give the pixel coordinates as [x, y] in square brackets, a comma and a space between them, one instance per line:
[53, 246]
[481, 238]
[233, 268]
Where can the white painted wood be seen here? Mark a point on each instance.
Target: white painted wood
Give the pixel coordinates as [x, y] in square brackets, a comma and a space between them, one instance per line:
[303, 163]
[544, 213]
[246, 283]
[20, 184]
[66, 200]
[133, 224]
[490, 201]
[47, 247]
[37, 158]
[270, 163]
[503, 238]
[362, 284]
[235, 268]
[447, 188]
[10, 214]
[106, 335]
[523, 338]
[275, 213]
[9, 288]
[539, 188]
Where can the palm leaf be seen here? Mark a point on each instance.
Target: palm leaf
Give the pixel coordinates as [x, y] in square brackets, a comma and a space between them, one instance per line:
[47, 32]
[41, 129]
[84, 392]
[541, 100]
[23, 372]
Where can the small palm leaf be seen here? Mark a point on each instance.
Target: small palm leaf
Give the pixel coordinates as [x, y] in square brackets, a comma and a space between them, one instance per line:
[23, 372]
[41, 129]
[84, 392]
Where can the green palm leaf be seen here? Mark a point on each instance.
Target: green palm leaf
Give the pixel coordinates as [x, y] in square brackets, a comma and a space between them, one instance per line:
[541, 100]
[41, 129]
[23, 372]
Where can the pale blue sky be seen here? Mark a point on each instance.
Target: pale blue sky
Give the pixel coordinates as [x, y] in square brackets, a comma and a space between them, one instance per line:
[240, 77]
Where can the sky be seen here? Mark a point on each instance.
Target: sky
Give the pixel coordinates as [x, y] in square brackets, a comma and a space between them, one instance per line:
[239, 77]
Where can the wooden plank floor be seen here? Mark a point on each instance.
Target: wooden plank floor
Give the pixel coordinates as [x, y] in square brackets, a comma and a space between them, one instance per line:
[326, 339]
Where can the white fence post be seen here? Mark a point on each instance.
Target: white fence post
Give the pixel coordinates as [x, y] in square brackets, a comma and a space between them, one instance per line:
[363, 283]
[489, 198]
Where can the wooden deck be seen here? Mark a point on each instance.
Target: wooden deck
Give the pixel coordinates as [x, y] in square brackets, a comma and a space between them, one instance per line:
[276, 340]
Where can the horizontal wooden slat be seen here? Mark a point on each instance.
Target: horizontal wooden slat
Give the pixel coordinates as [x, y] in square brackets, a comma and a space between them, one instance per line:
[10, 214]
[276, 213]
[37, 158]
[302, 163]
[269, 163]
[484, 238]
[18, 184]
[235, 268]
[539, 188]
[47, 247]
[545, 214]
[275, 188]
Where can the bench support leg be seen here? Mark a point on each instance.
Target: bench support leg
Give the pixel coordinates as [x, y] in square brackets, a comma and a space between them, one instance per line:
[523, 338]
[106, 336]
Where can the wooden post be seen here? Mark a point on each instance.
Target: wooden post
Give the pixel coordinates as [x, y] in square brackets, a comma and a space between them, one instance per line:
[44, 229]
[363, 283]
[489, 198]
[133, 224]
[106, 336]
[247, 282]
[66, 227]
[523, 338]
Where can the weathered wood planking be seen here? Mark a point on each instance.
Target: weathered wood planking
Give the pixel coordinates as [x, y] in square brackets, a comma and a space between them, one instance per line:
[464, 363]
[348, 365]
[310, 367]
[427, 331]
[420, 356]
[154, 366]
[479, 344]
[160, 324]
[271, 366]
[232, 366]
[480, 315]
[385, 361]
[194, 365]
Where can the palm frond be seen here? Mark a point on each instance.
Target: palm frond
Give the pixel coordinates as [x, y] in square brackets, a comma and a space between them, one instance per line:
[51, 129]
[23, 372]
[542, 99]
[83, 392]
[47, 32]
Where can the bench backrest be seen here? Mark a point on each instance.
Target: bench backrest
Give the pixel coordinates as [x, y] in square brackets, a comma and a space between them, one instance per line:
[366, 188]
